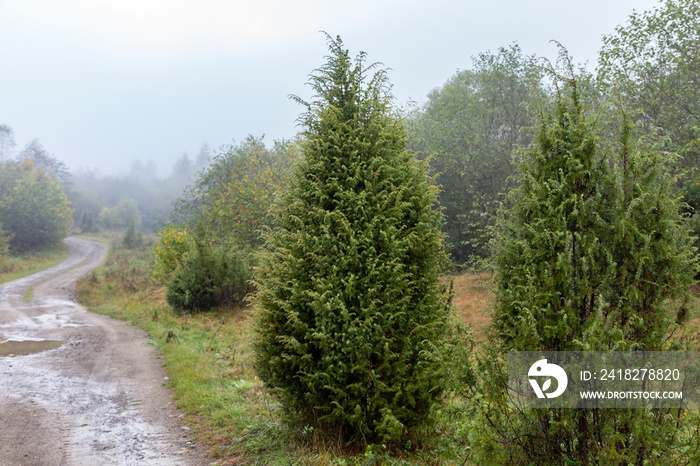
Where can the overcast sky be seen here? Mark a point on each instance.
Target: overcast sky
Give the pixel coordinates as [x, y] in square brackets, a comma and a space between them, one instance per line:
[104, 82]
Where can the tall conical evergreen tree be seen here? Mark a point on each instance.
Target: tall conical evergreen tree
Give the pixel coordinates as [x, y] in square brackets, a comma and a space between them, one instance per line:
[592, 256]
[551, 256]
[350, 311]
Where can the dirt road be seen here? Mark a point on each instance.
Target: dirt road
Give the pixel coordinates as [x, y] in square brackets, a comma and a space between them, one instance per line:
[99, 398]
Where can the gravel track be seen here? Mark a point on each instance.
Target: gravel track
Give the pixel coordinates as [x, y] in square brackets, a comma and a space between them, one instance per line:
[99, 399]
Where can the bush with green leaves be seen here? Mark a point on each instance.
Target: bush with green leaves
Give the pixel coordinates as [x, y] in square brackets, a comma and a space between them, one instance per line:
[350, 314]
[209, 276]
[174, 242]
[232, 196]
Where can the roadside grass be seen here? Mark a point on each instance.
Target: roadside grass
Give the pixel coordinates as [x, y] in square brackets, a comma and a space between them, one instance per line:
[208, 358]
[21, 265]
[473, 300]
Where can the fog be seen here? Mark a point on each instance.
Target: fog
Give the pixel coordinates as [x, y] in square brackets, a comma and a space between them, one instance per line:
[127, 103]
[102, 85]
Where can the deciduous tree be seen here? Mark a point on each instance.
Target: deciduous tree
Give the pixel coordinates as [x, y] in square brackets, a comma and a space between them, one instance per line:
[469, 127]
[34, 206]
[232, 196]
[653, 63]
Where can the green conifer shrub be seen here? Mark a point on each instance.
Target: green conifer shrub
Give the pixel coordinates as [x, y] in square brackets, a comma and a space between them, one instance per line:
[350, 314]
[593, 255]
[132, 237]
[209, 276]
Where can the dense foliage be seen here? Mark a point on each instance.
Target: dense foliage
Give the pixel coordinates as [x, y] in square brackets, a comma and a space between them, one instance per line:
[174, 242]
[209, 276]
[201, 254]
[232, 196]
[653, 63]
[350, 312]
[469, 128]
[34, 207]
[589, 258]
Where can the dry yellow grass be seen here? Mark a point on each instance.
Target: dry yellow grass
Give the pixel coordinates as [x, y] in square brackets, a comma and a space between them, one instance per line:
[474, 296]
[473, 301]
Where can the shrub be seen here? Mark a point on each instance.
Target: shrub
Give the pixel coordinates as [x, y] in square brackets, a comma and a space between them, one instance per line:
[132, 237]
[209, 276]
[592, 255]
[174, 242]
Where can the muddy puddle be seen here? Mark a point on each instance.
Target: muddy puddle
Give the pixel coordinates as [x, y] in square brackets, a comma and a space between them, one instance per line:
[22, 348]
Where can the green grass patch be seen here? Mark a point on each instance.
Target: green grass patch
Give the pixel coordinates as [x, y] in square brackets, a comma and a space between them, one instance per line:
[208, 358]
[21, 265]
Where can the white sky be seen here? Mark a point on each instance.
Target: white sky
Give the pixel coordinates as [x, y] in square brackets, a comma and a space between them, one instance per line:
[104, 82]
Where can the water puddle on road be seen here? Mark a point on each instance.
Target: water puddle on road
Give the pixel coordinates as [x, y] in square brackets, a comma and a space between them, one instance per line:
[22, 348]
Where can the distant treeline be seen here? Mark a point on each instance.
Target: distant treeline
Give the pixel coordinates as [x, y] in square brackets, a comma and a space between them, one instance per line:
[141, 197]
[471, 129]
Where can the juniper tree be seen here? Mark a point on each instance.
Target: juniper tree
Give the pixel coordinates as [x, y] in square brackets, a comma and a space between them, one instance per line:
[132, 237]
[592, 256]
[350, 310]
[550, 254]
[206, 274]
